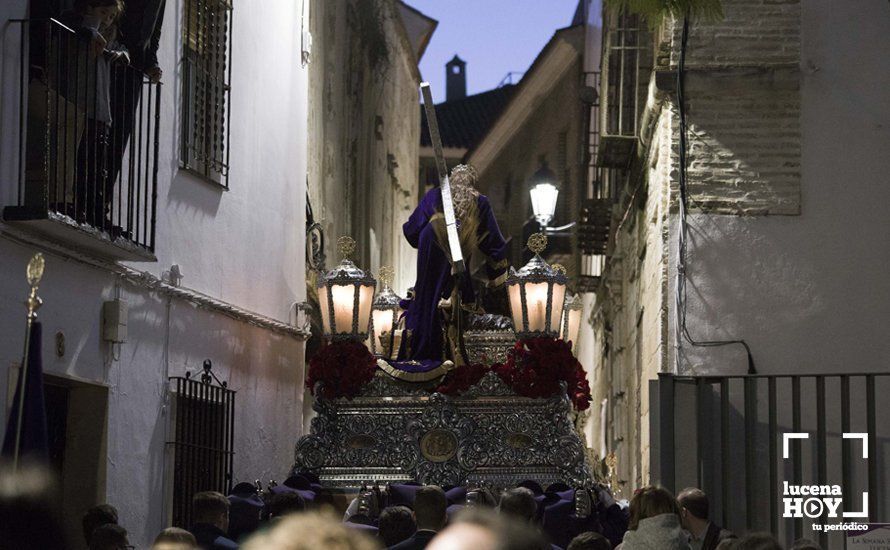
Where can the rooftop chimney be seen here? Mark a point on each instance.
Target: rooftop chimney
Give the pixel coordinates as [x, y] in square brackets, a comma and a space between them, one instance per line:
[455, 79]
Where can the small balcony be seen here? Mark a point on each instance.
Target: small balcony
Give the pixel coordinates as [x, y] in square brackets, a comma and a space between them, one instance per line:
[88, 145]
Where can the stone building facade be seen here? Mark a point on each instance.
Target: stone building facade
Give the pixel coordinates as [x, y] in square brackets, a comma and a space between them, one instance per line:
[543, 123]
[365, 128]
[786, 246]
[218, 281]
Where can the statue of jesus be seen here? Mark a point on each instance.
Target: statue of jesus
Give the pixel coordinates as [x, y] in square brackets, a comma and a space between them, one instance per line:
[425, 349]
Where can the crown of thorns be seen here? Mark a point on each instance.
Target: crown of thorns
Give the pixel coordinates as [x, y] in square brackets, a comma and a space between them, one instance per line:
[464, 169]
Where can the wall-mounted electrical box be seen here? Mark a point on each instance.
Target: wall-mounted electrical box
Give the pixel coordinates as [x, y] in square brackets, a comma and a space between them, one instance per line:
[114, 321]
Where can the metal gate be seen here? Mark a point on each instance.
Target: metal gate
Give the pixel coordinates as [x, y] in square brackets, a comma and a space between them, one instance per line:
[203, 427]
[729, 436]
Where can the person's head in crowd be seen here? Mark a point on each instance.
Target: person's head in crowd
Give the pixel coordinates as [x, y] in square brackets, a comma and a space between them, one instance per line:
[109, 537]
[805, 544]
[590, 541]
[430, 507]
[174, 538]
[96, 517]
[483, 529]
[649, 502]
[244, 512]
[28, 503]
[694, 512]
[519, 503]
[211, 508]
[283, 504]
[396, 523]
[310, 531]
[757, 541]
[482, 497]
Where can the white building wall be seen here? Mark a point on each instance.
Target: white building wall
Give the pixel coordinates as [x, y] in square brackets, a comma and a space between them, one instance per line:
[810, 293]
[243, 246]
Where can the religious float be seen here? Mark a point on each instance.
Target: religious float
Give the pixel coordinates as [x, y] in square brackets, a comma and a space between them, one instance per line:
[431, 389]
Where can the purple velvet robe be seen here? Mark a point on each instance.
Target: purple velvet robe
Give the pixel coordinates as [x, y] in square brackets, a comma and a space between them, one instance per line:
[434, 279]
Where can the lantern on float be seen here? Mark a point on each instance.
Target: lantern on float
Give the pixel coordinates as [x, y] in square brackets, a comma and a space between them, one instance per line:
[345, 294]
[384, 315]
[537, 293]
[571, 320]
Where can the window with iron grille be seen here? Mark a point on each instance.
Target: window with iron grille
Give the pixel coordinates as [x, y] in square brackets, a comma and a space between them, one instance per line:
[206, 105]
[202, 445]
[626, 64]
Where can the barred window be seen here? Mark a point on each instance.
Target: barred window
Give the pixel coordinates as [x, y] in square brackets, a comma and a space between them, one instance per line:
[202, 441]
[207, 70]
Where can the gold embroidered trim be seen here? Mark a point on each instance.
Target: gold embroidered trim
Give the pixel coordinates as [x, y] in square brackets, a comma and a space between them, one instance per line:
[415, 376]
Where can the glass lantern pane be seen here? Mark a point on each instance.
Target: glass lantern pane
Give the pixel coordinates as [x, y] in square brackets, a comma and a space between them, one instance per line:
[515, 306]
[536, 300]
[365, 299]
[574, 325]
[382, 324]
[325, 311]
[559, 298]
[344, 297]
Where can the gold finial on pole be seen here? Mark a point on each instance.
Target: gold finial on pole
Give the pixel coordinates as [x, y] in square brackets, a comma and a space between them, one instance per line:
[346, 246]
[34, 274]
[537, 243]
[385, 275]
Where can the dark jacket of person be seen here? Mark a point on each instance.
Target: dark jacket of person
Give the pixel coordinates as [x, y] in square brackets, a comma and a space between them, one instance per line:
[417, 541]
[140, 27]
[714, 536]
[211, 537]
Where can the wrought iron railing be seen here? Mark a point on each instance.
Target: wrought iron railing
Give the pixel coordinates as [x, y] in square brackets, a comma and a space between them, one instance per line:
[203, 440]
[88, 148]
[725, 434]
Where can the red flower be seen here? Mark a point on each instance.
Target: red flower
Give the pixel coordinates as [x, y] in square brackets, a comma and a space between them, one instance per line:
[536, 366]
[461, 379]
[342, 367]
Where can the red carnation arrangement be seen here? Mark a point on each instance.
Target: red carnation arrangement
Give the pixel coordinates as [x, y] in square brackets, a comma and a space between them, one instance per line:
[343, 368]
[535, 367]
[460, 379]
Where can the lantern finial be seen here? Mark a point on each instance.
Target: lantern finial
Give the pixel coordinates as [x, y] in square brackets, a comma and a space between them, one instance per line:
[537, 243]
[346, 246]
[559, 268]
[35, 269]
[385, 275]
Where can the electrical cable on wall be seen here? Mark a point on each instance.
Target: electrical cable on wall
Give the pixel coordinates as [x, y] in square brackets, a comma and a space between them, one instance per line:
[682, 329]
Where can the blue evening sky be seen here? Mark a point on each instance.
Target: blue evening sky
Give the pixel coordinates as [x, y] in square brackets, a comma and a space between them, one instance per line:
[494, 37]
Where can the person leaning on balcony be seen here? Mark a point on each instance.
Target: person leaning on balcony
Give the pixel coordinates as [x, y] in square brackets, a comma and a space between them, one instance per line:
[694, 515]
[210, 513]
[141, 33]
[654, 522]
[97, 21]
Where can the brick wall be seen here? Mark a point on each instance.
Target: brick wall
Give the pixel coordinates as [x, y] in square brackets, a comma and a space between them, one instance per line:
[743, 111]
[754, 33]
[743, 108]
[743, 142]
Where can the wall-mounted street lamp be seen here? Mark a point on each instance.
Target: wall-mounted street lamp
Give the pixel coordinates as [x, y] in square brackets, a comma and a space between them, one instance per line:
[544, 190]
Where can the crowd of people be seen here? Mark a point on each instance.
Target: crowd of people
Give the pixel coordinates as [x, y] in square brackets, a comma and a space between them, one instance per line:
[299, 515]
